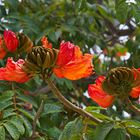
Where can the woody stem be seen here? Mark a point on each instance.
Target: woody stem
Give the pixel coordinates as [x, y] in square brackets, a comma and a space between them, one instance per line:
[132, 107]
[68, 104]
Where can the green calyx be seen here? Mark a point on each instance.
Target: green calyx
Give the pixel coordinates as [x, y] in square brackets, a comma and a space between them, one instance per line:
[40, 60]
[119, 82]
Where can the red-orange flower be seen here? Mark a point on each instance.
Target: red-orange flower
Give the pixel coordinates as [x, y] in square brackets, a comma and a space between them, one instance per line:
[14, 72]
[71, 64]
[121, 82]
[10, 40]
[2, 50]
[98, 95]
[46, 43]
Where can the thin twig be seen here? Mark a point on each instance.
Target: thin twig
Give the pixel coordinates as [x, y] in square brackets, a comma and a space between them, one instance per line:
[14, 97]
[132, 107]
[68, 104]
[36, 118]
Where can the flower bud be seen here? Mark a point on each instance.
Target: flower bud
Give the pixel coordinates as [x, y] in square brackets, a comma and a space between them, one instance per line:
[40, 59]
[25, 43]
[119, 82]
[11, 41]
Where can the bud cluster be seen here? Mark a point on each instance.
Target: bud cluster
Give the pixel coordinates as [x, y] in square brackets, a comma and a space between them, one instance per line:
[40, 60]
[119, 82]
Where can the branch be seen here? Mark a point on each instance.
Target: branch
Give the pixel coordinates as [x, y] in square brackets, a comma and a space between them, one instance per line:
[132, 107]
[68, 104]
[36, 118]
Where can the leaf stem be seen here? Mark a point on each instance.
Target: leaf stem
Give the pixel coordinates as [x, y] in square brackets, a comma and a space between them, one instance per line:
[68, 104]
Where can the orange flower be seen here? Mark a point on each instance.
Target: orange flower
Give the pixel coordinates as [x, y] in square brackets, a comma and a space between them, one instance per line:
[71, 64]
[98, 95]
[10, 40]
[104, 98]
[14, 72]
[45, 42]
[2, 50]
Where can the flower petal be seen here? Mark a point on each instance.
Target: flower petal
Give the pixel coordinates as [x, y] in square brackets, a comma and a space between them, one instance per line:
[135, 92]
[97, 94]
[14, 72]
[65, 54]
[46, 43]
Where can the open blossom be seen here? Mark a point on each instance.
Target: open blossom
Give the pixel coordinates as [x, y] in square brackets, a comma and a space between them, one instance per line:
[11, 41]
[14, 72]
[120, 83]
[2, 50]
[71, 63]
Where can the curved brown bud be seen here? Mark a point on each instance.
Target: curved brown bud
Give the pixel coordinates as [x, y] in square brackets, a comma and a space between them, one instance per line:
[25, 43]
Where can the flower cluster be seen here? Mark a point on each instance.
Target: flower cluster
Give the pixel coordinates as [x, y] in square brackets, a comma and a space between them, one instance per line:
[67, 62]
[120, 82]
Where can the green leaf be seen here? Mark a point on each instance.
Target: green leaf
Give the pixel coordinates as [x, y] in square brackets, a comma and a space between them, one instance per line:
[121, 6]
[2, 133]
[134, 137]
[131, 123]
[27, 99]
[95, 111]
[52, 108]
[17, 121]
[133, 131]
[26, 113]
[103, 10]
[8, 112]
[27, 125]
[118, 134]
[133, 127]
[53, 132]
[136, 12]
[7, 95]
[13, 131]
[100, 116]
[78, 4]
[102, 130]
[4, 105]
[72, 131]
